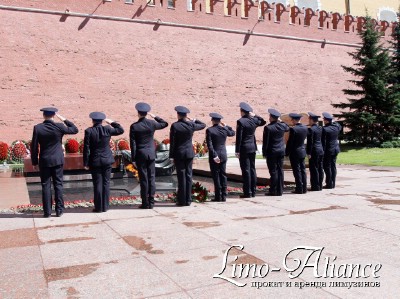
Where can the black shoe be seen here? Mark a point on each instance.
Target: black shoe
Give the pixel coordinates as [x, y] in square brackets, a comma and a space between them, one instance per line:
[223, 199]
[59, 214]
[46, 216]
[327, 187]
[143, 207]
[188, 204]
[245, 196]
[215, 200]
[253, 195]
[96, 211]
[304, 191]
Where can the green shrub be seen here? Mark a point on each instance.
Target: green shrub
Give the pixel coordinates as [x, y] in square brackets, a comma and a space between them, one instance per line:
[396, 143]
[387, 144]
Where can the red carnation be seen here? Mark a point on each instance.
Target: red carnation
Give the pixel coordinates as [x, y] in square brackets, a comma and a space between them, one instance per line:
[123, 145]
[166, 141]
[71, 146]
[18, 150]
[3, 151]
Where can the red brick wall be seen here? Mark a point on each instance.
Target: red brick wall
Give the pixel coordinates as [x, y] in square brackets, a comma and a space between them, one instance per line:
[83, 64]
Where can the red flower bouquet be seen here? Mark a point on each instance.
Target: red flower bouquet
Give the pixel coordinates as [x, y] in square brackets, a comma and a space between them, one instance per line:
[71, 146]
[200, 149]
[199, 192]
[123, 145]
[3, 151]
[18, 150]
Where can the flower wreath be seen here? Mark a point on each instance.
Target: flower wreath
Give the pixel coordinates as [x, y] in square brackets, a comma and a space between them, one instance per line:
[71, 146]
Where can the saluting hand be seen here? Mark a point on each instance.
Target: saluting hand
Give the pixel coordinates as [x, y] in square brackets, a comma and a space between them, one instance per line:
[189, 118]
[109, 121]
[223, 124]
[151, 115]
[252, 114]
[60, 117]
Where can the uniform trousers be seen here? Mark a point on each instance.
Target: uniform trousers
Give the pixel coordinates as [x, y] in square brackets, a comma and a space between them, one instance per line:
[330, 170]
[147, 179]
[101, 187]
[55, 174]
[248, 166]
[218, 171]
[299, 173]
[316, 172]
[275, 167]
[184, 174]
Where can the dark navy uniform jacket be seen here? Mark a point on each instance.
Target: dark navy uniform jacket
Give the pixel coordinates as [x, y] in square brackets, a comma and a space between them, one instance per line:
[141, 138]
[314, 144]
[216, 141]
[48, 135]
[295, 145]
[245, 133]
[96, 149]
[180, 137]
[330, 134]
[273, 143]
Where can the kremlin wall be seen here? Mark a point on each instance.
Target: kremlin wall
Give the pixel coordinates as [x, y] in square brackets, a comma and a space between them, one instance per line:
[88, 55]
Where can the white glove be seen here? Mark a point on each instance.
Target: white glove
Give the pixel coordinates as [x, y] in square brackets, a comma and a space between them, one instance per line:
[217, 160]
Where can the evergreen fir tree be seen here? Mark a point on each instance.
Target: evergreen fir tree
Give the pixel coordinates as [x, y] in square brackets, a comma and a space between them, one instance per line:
[368, 112]
[394, 94]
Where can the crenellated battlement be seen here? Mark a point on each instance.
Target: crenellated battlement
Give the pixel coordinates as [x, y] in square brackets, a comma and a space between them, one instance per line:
[250, 15]
[319, 19]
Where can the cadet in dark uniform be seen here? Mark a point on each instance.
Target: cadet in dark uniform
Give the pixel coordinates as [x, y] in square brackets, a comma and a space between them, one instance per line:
[97, 157]
[246, 148]
[47, 152]
[216, 143]
[143, 152]
[274, 150]
[330, 144]
[315, 152]
[181, 150]
[296, 151]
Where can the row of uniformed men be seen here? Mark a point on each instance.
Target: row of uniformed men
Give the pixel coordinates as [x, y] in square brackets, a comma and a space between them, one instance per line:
[322, 149]
[48, 155]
